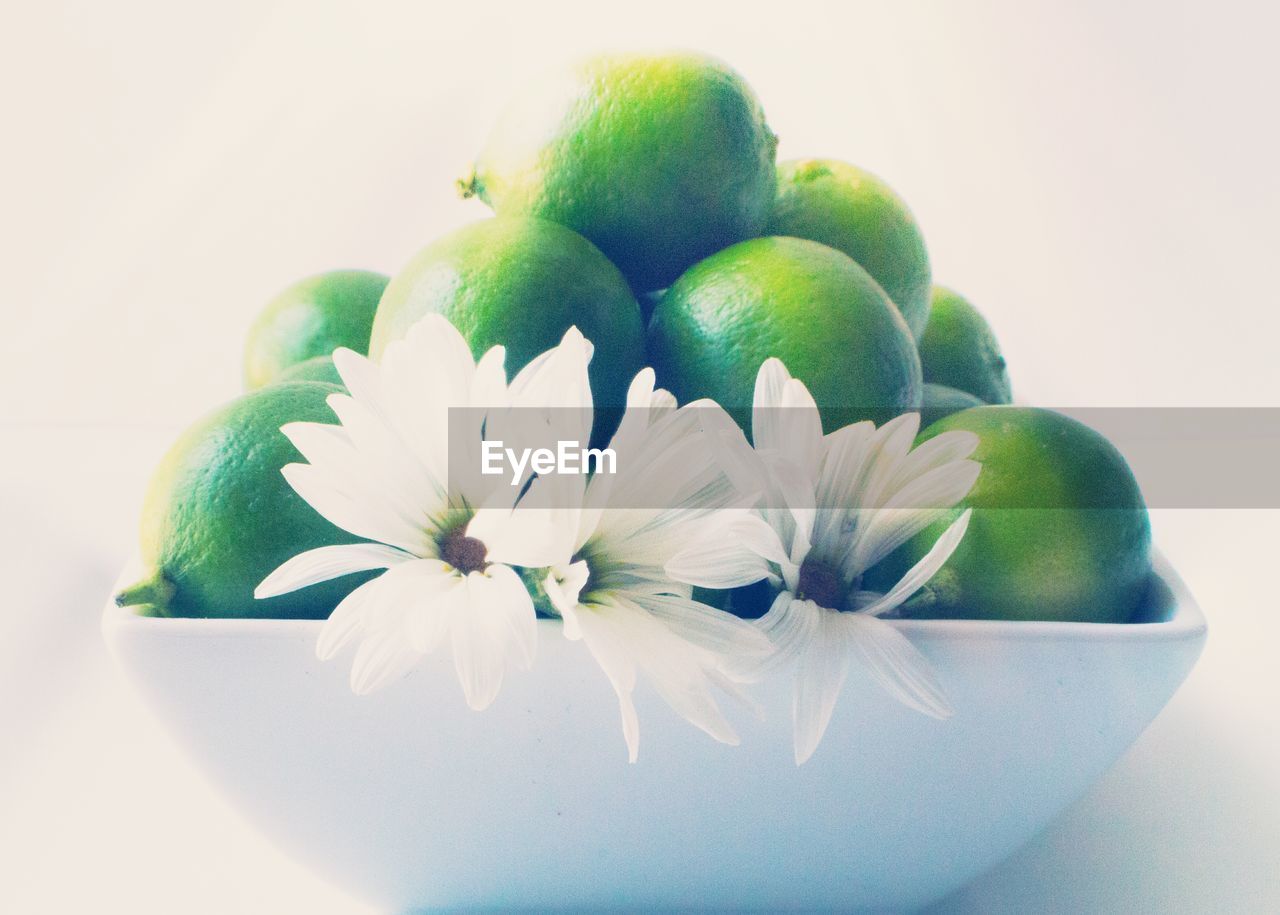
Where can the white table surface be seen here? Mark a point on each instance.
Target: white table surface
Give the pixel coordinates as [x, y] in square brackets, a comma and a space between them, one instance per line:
[1099, 177]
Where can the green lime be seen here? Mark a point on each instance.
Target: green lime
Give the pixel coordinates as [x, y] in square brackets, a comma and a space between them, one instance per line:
[219, 516]
[319, 368]
[940, 400]
[521, 282]
[313, 317]
[810, 306]
[958, 349]
[855, 212]
[1059, 528]
[659, 160]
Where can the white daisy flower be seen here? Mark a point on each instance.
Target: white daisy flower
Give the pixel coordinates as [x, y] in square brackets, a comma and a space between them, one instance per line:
[835, 506]
[383, 474]
[605, 563]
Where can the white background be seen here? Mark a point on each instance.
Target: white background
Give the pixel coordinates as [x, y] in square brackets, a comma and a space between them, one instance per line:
[1100, 178]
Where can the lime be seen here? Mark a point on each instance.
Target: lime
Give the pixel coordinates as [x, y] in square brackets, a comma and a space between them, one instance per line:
[319, 368]
[219, 516]
[940, 400]
[521, 282]
[659, 160]
[1059, 528]
[855, 212]
[313, 317]
[958, 349]
[810, 306]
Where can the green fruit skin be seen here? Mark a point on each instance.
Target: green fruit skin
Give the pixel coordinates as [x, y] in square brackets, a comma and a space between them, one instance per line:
[959, 349]
[219, 516]
[853, 211]
[941, 401]
[659, 160]
[521, 282]
[320, 368]
[311, 318]
[1059, 529]
[802, 302]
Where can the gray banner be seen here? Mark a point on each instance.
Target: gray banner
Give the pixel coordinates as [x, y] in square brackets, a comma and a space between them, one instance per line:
[1182, 457]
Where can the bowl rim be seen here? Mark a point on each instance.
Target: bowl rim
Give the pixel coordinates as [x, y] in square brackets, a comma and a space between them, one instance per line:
[1185, 622]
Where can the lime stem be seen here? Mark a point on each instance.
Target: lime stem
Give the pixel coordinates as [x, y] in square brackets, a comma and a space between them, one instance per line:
[156, 590]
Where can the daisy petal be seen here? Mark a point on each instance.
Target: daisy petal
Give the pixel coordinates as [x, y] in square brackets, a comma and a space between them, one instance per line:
[326, 562]
[738, 645]
[349, 511]
[784, 417]
[920, 573]
[345, 621]
[729, 554]
[563, 587]
[608, 646]
[359, 375]
[503, 596]
[911, 509]
[434, 606]
[896, 664]
[790, 625]
[476, 655]
[944, 448]
[823, 667]
[382, 657]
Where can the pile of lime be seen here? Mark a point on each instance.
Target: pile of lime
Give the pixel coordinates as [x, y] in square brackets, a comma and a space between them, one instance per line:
[640, 199]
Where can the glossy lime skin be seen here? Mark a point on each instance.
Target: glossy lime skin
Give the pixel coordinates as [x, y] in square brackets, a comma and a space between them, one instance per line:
[219, 516]
[959, 349]
[313, 317]
[855, 212]
[805, 303]
[319, 368]
[521, 282]
[660, 160]
[940, 401]
[1059, 529]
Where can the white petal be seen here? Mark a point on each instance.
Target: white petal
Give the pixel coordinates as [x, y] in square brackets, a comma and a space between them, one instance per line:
[785, 419]
[913, 508]
[739, 646]
[920, 573]
[797, 490]
[944, 448]
[730, 554]
[564, 586]
[489, 387]
[502, 595]
[540, 531]
[889, 448]
[433, 607]
[348, 511]
[771, 380]
[434, 341]
[476, 656]
[839, 493]
[896, 664]
[385, 451]
[824, 664]
[326, 562]
[322, 443]
[608, 645]
[494, 625]
[383, 656]
[345, 622]
[359, 375]
[790, 625]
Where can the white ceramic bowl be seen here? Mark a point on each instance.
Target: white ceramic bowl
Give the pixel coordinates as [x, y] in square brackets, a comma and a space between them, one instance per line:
[412, 800]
